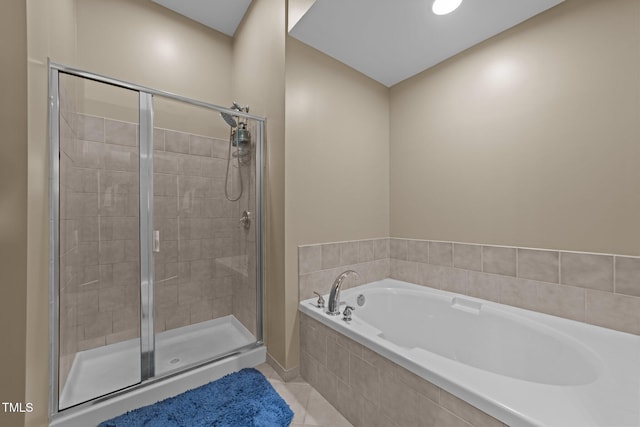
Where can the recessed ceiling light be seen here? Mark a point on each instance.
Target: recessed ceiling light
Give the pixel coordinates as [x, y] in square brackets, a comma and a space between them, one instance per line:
[442, 7]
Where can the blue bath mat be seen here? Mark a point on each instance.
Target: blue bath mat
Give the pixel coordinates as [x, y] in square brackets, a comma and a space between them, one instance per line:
[240, 399]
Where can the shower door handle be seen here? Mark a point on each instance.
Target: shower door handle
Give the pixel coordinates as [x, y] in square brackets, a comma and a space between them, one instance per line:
[156, 241]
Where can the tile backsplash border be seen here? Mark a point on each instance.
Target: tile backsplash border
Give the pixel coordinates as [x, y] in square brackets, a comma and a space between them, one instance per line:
[600, 289]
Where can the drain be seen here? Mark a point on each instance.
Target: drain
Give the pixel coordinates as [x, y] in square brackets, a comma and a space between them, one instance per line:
[174, 360]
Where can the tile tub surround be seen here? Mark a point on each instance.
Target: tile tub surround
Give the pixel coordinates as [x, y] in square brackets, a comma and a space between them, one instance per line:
[319, 265]
[370, 390]
[599, 289]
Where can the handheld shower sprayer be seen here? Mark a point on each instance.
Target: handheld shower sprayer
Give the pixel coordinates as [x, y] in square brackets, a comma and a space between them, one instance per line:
[240, 138]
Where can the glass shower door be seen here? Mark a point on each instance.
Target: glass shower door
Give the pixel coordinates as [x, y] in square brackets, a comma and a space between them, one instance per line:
[202, 261]
[98, 241]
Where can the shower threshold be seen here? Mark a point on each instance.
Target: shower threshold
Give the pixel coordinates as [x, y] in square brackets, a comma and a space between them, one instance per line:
[109, 368]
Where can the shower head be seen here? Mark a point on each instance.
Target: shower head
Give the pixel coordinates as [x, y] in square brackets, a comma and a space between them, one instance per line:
[229, 118]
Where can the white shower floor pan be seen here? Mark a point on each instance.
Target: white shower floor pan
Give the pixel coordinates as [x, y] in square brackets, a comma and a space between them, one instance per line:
[102, 370]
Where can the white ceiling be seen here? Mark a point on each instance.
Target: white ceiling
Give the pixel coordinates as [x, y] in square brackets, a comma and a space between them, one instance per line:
[221, 15]
[392, 40]
[387, 40]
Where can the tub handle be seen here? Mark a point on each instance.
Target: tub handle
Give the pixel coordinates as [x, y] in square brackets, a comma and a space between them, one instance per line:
[320, 302]
[346, 314]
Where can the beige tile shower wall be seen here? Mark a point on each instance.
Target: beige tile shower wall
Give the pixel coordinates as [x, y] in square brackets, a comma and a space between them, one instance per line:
[68, 344]
[245, 296]
[99, 253]
[198, 230]
[196, 270]
[319, 265]
[371, 391]
[600, 289]
[244, 293]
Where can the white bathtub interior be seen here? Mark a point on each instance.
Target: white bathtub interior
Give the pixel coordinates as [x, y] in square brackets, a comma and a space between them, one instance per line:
[522, 367]
[100, 370]
[482, 336]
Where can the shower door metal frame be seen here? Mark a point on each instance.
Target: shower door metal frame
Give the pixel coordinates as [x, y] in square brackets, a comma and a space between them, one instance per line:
[145, 137]
[147, 336]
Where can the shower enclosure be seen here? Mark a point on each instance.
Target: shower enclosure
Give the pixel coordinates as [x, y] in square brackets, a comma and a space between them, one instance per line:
[156, 235]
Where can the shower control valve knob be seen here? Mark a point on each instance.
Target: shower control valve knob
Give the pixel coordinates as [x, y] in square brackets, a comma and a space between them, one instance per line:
[245, 220]
[346, 314]
[320, 302]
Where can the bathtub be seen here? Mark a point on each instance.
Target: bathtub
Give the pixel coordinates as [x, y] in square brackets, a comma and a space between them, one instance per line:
[521, 367]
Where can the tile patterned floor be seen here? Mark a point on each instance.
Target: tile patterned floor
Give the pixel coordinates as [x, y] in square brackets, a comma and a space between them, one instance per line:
[310, 409]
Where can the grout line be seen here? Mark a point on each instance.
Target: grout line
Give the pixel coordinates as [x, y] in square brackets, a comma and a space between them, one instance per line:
[614, 274]
[89, 283]
[426, 261]
[559, 267]
[178, 212]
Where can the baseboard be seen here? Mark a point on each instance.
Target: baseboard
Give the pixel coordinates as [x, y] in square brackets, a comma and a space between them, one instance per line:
[286, 374]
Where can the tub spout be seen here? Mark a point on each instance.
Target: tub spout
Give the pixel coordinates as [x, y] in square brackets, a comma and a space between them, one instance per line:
[334, 296]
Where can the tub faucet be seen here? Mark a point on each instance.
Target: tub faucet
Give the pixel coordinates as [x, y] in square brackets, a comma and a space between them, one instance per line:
[334, 296]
